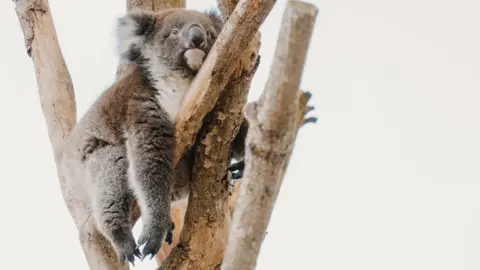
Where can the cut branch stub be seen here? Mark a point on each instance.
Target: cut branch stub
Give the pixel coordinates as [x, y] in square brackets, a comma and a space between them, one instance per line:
[270, 138]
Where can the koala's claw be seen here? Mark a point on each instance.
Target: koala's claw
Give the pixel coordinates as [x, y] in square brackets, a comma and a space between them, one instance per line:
[151, 247]
[127, 251]
[131, 256]
[169, 237]
[153, 239]
[137, 253]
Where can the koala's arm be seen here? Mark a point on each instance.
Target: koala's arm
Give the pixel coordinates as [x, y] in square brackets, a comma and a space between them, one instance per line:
[150, 142]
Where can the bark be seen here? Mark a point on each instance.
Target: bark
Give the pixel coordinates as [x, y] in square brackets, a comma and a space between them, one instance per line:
[243, 75]
[59, 109]
[53, 79]
[273, 123]
[154, 5]
[302, 111]
[226, 7]
[58, 105]
[217, 69]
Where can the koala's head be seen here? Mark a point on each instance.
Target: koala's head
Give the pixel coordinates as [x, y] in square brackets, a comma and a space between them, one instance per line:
[177, 39]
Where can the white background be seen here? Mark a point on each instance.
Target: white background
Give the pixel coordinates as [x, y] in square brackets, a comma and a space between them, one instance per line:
[387, 179]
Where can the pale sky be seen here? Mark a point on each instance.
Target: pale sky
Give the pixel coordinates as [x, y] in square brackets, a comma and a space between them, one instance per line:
[387, 179]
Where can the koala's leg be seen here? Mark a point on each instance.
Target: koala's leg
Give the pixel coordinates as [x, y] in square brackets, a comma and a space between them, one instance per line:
[150, 142]
[112, 198]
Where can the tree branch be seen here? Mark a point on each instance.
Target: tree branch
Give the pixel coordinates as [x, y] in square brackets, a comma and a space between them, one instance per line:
[53, 79]
[207, 219]
[240, 85]
[302, 111]
[59, 109]
[273, 122]
[154, 5]
[217, 69]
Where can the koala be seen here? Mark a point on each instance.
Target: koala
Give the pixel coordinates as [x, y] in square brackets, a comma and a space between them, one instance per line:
[122, 148]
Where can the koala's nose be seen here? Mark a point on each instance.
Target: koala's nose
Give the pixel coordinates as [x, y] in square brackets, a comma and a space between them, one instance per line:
[196, 36]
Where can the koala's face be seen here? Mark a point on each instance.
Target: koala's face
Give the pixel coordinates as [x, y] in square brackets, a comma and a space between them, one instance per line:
[178, 39]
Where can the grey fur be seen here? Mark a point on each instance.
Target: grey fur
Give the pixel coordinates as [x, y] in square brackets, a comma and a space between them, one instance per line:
[122, 147]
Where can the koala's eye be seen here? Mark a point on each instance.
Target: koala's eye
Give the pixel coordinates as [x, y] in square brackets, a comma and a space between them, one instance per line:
[209, 34]
[174, 31]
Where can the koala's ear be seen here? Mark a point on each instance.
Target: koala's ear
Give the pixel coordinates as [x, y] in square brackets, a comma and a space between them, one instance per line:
[132, 29]
[216, 18]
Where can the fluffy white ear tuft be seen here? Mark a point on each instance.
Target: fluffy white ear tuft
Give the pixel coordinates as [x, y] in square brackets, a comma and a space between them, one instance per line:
[131, 31]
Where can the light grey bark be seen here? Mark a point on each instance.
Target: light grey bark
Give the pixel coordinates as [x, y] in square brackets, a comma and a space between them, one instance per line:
[273, 125]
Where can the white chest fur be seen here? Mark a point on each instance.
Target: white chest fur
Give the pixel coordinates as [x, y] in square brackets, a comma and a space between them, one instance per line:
[171, 89]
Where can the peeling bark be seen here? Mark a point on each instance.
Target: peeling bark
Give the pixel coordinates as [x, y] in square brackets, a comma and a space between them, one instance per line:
[273, 124]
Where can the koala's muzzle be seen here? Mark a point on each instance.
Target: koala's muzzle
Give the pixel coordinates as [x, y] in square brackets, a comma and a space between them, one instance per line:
[196, 36]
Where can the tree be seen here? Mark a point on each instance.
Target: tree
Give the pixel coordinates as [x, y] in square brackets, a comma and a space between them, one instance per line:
[212, 113]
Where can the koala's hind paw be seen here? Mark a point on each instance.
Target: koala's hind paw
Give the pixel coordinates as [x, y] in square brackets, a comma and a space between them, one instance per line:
[237, 170]
[153, 239]
[128, 251]
[169, 237]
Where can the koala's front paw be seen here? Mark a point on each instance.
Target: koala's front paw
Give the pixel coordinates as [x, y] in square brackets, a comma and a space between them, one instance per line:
[152, 237]
[128, 250]
[169, 237]
[237, 169]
